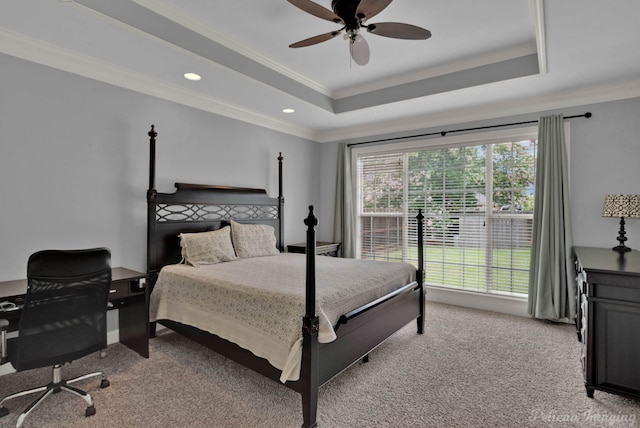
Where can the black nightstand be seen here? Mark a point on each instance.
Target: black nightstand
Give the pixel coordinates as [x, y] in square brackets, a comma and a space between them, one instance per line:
[322, 248]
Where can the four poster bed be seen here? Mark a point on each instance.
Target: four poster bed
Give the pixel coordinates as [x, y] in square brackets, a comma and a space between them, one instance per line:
[318, 331]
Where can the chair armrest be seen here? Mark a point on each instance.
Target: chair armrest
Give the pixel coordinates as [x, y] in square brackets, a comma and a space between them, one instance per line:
[4, 327]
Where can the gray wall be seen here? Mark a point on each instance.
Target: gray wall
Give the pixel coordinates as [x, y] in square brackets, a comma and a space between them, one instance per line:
[605, 159]
[74, 164]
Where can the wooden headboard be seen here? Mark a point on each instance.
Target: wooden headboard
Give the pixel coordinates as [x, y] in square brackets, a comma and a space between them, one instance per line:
[199, 208]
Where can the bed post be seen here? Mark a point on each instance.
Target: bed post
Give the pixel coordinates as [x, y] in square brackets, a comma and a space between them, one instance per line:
[280, 206]
[152, 159]
[152, 195]
[310, 326]
[420, 271]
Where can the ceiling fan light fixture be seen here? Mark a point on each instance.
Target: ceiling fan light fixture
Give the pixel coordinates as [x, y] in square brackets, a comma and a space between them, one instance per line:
[359, 49]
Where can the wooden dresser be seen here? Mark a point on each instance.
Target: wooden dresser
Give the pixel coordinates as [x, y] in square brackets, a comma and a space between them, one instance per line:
[608, 322]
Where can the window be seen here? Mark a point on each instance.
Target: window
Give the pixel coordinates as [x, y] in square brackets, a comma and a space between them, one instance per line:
[476, 193]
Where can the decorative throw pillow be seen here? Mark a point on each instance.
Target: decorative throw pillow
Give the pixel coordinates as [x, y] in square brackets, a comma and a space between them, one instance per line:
[207, 248]
[253, 240]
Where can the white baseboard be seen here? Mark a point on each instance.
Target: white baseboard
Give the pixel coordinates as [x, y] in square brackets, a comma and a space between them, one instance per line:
[6, 369]
[488, 302]
[113, 337]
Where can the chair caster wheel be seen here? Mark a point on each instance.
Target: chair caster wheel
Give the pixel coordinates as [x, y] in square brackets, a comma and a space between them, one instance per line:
[3, 411]
[104, 383]
[91, 410]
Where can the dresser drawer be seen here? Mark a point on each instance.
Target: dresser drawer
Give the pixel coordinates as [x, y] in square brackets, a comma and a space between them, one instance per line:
[622, 292]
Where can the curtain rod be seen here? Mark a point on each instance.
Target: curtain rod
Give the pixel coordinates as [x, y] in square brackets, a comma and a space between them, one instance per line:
[443, 133]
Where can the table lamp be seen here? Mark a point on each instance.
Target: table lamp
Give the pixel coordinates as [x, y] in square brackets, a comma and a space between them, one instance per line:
[621, 206]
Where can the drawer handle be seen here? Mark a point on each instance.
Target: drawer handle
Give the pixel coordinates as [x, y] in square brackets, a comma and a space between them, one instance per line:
[113, 291]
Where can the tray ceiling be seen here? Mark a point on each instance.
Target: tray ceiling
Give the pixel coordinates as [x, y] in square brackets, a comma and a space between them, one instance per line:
[485, 59]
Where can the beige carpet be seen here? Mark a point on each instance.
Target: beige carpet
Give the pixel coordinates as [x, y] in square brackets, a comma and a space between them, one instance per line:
[470, 369]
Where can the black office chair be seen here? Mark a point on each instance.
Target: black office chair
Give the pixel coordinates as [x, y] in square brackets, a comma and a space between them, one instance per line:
[64, 318]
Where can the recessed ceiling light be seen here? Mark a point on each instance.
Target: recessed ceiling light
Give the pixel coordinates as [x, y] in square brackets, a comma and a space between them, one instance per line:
[288, 110]
[192, 76]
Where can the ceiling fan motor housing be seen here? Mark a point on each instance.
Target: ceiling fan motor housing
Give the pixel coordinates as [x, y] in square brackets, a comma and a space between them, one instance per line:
[346, 9]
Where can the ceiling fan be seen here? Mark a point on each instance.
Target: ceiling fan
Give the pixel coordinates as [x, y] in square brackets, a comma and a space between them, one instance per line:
[352, 15]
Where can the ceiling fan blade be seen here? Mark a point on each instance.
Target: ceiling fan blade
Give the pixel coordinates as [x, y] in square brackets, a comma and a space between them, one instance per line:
[315, 40]
[398, 30]
[367, 9]
[316, 10]
[359, 49]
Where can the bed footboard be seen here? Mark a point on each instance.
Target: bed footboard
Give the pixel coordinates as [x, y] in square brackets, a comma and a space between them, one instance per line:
[367, 330]
[360, 331]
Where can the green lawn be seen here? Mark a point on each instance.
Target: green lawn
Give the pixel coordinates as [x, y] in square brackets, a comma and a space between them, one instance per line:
[465, 268]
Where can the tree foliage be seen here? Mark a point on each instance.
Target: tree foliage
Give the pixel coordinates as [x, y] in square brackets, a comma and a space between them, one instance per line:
[450, 181]
[514, 175]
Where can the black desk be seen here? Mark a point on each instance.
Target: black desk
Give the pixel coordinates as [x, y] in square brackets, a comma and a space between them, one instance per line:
[128, 294]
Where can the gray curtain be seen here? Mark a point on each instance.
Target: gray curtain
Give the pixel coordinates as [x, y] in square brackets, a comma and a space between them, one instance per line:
[343, 222]
[552, 286]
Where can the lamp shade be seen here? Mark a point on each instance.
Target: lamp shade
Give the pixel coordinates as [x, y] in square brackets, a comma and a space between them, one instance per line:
[627, 206]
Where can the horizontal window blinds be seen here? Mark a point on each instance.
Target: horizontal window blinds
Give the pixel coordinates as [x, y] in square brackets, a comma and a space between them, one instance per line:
[478, 206]
[383, 216]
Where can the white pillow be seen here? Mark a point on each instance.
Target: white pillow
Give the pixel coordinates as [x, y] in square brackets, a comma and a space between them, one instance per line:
[207, 248]
[253, 240]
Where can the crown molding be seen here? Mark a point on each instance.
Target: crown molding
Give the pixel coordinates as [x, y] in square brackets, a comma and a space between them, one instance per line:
[441, 70]
[537, 15]
[170, 11]
[175, 14]
[578, 97]
[37, 51]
